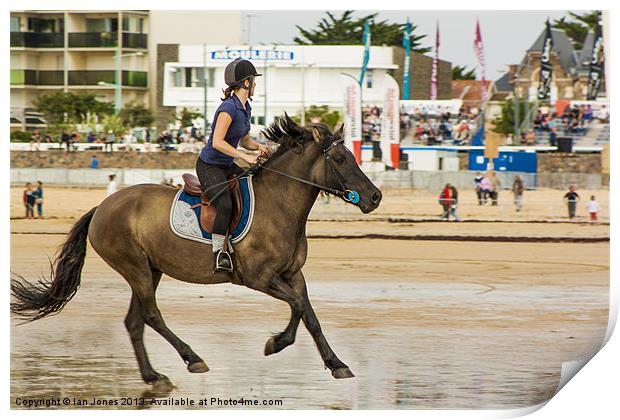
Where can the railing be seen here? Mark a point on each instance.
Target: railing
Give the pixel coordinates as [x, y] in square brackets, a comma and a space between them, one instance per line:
[37, 39]
[23, 77]
[96, 77]
[50, 78]
[93, 39]
[131, 40]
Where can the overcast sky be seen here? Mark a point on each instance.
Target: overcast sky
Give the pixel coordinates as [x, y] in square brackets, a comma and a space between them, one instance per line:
[506, 34]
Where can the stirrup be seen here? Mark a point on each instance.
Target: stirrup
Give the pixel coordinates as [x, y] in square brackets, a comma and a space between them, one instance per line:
[223, 262]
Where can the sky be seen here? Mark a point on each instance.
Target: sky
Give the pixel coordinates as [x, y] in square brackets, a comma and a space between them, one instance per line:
[506, 34]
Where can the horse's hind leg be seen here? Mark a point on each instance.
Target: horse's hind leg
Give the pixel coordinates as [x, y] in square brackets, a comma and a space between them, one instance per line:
[134, 322]
[135, 268]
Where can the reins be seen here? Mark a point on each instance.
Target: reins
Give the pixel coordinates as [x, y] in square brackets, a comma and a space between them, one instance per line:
[344, 193]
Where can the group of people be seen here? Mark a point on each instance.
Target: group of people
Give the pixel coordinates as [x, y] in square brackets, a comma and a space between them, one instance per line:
[33, 197]
[487, 187]
[571, 198]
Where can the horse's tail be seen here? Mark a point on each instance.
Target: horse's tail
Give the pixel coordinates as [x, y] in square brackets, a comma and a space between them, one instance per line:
[47, 297]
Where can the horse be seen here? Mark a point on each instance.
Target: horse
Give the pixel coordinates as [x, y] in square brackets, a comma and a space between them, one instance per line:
[130, 231]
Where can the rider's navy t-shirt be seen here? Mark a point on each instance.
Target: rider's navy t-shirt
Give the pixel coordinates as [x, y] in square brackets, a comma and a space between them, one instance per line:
[239, 127]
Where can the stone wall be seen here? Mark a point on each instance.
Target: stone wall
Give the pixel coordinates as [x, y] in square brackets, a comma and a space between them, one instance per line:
[81, 160]
[584, 163]
[164, 114]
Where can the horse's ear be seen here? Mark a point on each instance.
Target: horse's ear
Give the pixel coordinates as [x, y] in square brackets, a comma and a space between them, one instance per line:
[316, 135]
[340, 132]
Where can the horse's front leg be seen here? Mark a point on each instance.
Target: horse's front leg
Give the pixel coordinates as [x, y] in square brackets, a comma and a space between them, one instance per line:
[338, 368]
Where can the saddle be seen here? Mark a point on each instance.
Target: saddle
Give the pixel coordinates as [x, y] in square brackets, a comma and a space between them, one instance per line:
[207, 212]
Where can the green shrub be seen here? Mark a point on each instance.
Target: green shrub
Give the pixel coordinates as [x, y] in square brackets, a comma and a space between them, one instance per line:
[21, 136]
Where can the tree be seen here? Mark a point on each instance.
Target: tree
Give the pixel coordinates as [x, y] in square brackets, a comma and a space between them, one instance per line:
[461, 73]
[62, 110]
[345, 30]
[505, 121]
[136, 115]
[188, 116]
[328, 117]
[114, 123]
[577, 26]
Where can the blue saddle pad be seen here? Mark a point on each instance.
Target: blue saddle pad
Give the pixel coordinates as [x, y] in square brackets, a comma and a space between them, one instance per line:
[185, 221]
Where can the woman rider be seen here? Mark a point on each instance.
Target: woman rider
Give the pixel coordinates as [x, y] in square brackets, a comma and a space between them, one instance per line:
[231, 126]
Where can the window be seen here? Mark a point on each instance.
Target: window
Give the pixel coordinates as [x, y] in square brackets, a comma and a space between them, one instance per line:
[369, 79]
[41, 25]
[211, 77]
[188, 77]
[133, 24]
[102, 25]
[177, 77]
[15, 24]
[125, 23]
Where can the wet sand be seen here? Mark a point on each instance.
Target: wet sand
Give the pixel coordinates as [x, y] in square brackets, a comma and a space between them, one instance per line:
[422, 324]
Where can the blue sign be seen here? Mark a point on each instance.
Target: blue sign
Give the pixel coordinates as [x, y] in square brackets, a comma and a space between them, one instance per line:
[262, 55]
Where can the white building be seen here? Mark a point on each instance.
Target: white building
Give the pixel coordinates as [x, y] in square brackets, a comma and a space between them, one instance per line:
[294, 76]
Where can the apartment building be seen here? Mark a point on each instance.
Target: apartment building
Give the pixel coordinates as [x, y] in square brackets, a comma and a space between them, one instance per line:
[80, 51]
[76, 51]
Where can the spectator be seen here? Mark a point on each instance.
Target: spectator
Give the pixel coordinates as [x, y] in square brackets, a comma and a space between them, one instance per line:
[447, 199]
[94, 162]
[486, 185]
[553, 137]
[112, 187]
[65, 138]
[477, 183]
[110, 139]
[496, 186]
[455, 201]
[517, 190]
[29, 200]
[91, 137]
[38, 193]
[571, 198]
[593, 209]
[35, 139]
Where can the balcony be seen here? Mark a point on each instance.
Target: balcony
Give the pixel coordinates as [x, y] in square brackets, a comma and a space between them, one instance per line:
[37, 39]
[37, 77]
[93, 39]
[95, 77]
[131, 40]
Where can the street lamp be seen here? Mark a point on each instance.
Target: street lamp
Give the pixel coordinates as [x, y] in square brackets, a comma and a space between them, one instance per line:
[117, 78]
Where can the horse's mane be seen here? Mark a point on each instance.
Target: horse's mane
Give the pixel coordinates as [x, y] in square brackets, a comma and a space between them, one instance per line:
[288, 134]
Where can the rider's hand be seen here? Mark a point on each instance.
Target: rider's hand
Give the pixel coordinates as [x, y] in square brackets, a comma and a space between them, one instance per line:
[251, 159]
[263, 151]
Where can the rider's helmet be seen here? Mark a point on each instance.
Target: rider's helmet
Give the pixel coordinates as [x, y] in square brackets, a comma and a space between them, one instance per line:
[239, 70]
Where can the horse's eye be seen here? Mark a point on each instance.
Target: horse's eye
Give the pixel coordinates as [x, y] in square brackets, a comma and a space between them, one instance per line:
[339, 160]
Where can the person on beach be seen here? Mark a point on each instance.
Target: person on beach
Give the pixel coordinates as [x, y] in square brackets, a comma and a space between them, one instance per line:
[448, 199]
[112, 186]
[485, 188]
[29, 200]
[593, 209]
[38, 193]
[477, 182]
[571, 198]
[517, 191]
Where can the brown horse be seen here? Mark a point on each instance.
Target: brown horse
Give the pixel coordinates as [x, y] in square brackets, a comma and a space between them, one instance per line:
[130, 230]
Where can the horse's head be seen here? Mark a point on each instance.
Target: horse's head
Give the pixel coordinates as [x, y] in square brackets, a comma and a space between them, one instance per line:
[336, 168]
[328, 162]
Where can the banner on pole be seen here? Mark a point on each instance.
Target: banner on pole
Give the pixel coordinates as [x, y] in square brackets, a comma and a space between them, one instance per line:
[479, 49]
[597, 61]
[545, 65]
[406, 64]
[366, 41]
[435, 63]
[353, 119]
[390, 124]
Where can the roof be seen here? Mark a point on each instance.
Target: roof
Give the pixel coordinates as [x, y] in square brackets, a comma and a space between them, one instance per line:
[469, 89]
[503, 83]
[562, 45]
[583, 56]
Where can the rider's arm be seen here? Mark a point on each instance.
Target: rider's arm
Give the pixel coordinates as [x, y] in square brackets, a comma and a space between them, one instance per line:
[249, 143]
[221, 127]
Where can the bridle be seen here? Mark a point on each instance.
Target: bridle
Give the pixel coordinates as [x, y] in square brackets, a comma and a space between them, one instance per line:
[347, 195]
[350, 196]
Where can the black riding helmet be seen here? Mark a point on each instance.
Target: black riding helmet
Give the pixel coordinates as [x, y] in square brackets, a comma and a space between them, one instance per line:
[239, 70]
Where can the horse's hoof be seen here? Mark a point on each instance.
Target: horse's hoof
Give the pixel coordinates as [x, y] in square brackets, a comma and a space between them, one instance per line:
[270, 347]
[198, 367]
[342, 373]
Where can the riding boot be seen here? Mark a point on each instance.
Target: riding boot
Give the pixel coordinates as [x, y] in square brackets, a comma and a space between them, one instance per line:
[222, 261]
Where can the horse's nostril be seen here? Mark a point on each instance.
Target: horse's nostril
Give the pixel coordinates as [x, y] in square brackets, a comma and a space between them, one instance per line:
[375, 198]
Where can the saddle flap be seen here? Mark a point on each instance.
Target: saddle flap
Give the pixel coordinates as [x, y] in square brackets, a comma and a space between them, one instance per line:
[191, 184]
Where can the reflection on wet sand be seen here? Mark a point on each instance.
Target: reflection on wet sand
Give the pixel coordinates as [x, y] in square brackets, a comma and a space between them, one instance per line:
[417, 329]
